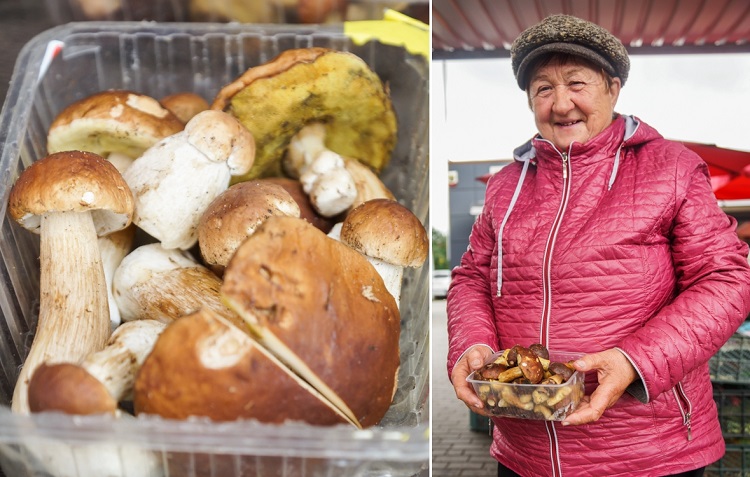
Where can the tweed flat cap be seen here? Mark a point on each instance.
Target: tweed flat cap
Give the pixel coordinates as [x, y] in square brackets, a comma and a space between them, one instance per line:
[571, 35]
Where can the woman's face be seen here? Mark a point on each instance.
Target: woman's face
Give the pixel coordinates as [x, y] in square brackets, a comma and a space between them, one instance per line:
[571, 101]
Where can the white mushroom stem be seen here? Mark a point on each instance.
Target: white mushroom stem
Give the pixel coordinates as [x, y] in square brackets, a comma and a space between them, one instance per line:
[392, 276]
[329, 184]
[117, 364]
[303, 149]
[153, 282]
[73, 310]
[120, 161]
[113, 248]
[174, 181]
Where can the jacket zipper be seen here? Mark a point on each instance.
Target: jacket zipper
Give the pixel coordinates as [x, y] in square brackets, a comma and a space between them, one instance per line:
[686, 408]
[547, 300]
[548, 249]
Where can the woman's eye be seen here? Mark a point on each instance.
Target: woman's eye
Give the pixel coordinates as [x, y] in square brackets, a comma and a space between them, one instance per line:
[543, 90]
[576, 85]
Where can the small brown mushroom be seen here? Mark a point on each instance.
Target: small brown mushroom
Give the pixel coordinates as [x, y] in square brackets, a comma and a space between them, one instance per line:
[561, 369]
[235, 214]
[530, 365]
[184, 105]
[540, 350]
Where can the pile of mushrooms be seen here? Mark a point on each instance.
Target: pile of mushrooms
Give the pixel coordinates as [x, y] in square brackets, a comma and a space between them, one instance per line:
[523, 382]
[226, 295]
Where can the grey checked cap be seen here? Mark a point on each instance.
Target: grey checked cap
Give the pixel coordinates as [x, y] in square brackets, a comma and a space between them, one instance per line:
[570, 35]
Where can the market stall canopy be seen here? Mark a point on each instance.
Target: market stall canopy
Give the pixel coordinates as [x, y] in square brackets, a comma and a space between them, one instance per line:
[486, 28]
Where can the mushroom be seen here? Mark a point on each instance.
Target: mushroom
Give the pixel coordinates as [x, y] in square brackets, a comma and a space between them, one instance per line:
[530, 365]
[113, 248]
[324, 175]
[390, 236]
[201, 365]
[116, 124]
[329, 184]
[306, 85]
[100, 381]
[235, 214]
[69, 198]
[185, 105]
[174, 181]
[307, 211]
[165, 284]
[323, 310]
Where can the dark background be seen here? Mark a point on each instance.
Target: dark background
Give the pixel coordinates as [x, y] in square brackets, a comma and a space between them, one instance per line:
[20, 21]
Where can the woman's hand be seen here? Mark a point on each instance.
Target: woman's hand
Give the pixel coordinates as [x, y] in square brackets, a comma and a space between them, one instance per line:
[614, 372]
[472, 360]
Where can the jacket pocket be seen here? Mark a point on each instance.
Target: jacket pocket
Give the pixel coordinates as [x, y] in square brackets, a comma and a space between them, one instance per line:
[685, 406]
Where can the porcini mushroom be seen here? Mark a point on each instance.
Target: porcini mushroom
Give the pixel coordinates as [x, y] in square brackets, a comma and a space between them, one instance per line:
[329, 185]
[390, 236]
[323, 310]
[120, 123]
[301, 86]
[164, 284]
[201, 365]
[185, 105]
[69, 198]
[306, 210]
[174, 181]
[101, 380]
[235, 214]
[113, 248]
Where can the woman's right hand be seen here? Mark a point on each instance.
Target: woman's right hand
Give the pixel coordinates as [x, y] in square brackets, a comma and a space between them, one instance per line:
[472, 360]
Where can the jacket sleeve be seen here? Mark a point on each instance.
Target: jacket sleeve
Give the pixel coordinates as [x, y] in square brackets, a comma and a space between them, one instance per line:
[713, 288]
[469, 302]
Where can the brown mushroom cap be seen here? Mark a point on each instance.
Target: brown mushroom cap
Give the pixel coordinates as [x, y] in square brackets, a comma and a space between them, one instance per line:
[235, 214]
[530, 365]
[221, 138]
[562, 369]
[323, 309]
[307, 211]
[184, 104]
[388, 231]
[68, 388]
[72, 181]
[203, 366]
[112, 121]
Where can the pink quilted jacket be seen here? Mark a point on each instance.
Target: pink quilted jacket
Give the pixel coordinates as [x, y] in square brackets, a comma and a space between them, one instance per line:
[617, 243]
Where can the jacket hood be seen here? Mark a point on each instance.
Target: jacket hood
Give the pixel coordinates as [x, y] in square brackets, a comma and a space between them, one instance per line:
[632, 131]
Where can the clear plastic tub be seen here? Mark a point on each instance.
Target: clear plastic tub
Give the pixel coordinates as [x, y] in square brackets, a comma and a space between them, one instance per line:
[69, 62]
[552, 402]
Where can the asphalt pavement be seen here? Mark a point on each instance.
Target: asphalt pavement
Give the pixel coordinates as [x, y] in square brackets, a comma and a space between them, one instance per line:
[457, 450]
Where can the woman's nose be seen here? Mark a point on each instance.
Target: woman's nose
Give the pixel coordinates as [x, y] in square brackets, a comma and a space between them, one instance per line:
[562, 100]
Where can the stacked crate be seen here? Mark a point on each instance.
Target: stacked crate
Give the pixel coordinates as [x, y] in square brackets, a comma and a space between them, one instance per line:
[730, 373]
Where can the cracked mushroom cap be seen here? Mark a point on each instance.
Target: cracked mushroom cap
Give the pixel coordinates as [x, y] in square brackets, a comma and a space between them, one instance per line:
[201, 365]
[221, 138]
[112, 121]
[74, 181]
[388, 231]
[235, 214]
[275, 100]
[322, 308]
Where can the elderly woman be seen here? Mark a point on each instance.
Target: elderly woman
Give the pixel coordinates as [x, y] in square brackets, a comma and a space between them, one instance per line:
[602, 238]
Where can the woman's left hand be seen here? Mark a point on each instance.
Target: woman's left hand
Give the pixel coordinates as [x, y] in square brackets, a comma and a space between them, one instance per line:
[614, 372]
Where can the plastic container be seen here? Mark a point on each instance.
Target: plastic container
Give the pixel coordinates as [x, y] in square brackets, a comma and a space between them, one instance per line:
[731, 364]
[552, 402]
[72, 61]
